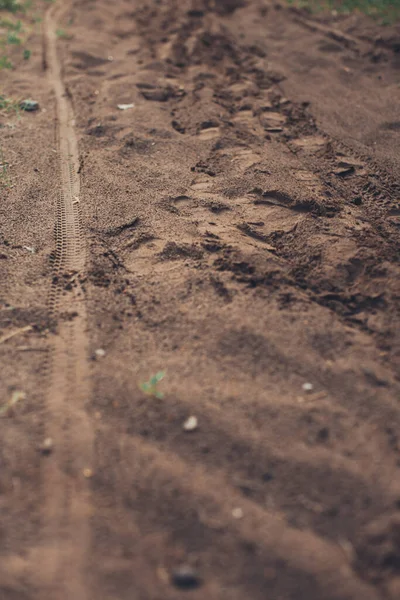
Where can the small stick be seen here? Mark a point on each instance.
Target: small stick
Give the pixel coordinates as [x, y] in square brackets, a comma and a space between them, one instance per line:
[10, 335]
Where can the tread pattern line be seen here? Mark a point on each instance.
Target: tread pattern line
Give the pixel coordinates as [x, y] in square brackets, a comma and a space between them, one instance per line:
[66, 517]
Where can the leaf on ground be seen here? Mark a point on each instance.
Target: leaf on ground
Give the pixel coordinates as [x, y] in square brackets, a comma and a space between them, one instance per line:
[15, 397]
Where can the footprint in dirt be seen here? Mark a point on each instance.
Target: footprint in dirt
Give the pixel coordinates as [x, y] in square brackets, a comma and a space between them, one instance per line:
[327, 46]
[203, 184]
[282, 199]
[244, 158]
[310, 181]
[207, 213]
[237, 223]
[209, 130]
[310, 145]
[88, 61]
[391, 126]
[245, 119]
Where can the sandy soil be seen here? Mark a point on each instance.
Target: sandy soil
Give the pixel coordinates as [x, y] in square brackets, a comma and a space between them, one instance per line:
[237, 227]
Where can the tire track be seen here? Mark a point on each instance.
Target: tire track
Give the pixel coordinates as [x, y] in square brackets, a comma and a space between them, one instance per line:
[66, 506]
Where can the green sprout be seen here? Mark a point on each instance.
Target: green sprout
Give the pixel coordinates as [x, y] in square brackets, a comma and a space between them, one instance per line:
[8, 104]
[151, 387]
[62, 34]
[12, 38]
[5, 63]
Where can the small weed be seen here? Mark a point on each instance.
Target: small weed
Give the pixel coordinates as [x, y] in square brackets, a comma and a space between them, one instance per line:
[7, 24]
[5, 63]
[8, 104]
[11, 5]
[12, 38]
[62, 34]
[12, 30]
[151, 387]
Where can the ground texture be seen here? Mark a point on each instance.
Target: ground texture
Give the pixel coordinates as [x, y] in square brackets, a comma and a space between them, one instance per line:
[237, 227]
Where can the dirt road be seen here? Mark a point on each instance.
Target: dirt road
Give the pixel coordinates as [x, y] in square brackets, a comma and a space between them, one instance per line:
[236, 225]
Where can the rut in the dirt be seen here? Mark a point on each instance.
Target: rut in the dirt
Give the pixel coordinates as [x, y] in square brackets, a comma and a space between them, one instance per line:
[66, 535]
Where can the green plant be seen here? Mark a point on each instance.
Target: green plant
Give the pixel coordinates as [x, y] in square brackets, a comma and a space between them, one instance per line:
[62, 34]
[12, 31]
[5, 63]
[7, 24]
[10, 5]
[12, 38]
[151, 387]
[8, 104]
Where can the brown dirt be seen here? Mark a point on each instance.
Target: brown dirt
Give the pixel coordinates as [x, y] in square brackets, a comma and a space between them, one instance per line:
[238, 227]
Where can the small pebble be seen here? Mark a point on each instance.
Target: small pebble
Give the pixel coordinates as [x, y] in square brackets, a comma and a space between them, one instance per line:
[307, 387]
[87, 473]
[185, 577]
[191, 424]
[237, 513]
[47, 446]
[100, 352]
[29, 105]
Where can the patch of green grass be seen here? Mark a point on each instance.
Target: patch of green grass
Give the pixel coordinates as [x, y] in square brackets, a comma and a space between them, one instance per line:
[387, 11]
[11, 5]
[5, 63]
[62, 34]
[10, 25]
[12, 31]
[8, 104]
[12, 38]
